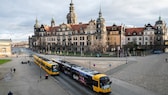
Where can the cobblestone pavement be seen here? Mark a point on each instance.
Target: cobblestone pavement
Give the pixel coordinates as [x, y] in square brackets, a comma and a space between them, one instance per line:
[150, 72]
[4, 72]
[26, 80]
[101, 66]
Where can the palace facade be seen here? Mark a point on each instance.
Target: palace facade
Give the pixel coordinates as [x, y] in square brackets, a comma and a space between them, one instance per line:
[96, 37]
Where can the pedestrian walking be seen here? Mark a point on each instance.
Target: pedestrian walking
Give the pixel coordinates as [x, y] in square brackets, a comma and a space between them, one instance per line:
[10, 93]
[46, 76]
[29, 62]
[14, 70]
[166, 59]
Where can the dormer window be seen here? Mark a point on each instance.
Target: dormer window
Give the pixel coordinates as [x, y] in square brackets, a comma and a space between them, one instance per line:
[63, 29]
[148, 28]
[114, 28]
[134, 33]
[140, 33]
[129, 33]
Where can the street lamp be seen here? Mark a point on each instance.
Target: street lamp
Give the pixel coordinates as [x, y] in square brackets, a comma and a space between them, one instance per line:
[126, 55]
[126, 58]
[89, 64]
[110, 68]
[81, 50]
[40, 70]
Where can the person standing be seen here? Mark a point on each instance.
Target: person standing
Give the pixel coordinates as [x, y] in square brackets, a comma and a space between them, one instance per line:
[166, 59]
[14, 70]
[10, 93]
[46, 76]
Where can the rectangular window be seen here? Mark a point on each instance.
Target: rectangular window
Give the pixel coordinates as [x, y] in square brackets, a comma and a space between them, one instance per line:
[139, 38]
[81, 38]
[74, 38]
[75, 43]
[146, 43]
[146, 38]
[150, 43]
[81, 43]
[139, 43]
[88, 43]
[128, 39]
[150, 38]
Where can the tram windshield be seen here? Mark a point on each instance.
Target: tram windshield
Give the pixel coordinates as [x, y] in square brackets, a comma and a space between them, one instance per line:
[105, 82]
[54, 68]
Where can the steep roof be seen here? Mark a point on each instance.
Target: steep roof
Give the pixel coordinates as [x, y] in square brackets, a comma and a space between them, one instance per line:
[73, 27]
[111, 28]
[78, 27]
[132, 31]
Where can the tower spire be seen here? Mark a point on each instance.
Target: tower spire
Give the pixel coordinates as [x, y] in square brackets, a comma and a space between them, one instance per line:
[36, 23]
[159, 17]
[71, 16]
[100, 13]
[52, 22]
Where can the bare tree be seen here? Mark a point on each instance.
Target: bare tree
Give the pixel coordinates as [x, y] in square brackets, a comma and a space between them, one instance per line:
[97, 47]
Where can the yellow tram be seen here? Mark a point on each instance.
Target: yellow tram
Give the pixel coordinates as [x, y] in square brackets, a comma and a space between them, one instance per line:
[98, 82]
[48, 65]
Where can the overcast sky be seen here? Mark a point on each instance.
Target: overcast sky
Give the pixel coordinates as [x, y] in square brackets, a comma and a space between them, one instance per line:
[17, 17]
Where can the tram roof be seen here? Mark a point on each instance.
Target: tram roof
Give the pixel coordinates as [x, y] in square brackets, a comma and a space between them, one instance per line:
[47, 60]
[81, 69]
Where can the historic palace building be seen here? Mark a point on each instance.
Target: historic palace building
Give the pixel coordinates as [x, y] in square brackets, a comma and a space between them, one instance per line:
[95, 36]
[71, 37]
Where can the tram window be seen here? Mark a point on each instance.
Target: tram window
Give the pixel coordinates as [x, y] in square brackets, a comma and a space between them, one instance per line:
[95, 83]
[48, 68]
[42, 64]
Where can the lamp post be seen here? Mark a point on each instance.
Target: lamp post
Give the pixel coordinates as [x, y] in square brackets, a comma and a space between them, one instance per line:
[89, 64]
[40, 70]
[81, 50]
[126, 55]
[126, 58]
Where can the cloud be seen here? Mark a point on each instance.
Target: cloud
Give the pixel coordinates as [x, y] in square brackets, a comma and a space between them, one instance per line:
[18, 16]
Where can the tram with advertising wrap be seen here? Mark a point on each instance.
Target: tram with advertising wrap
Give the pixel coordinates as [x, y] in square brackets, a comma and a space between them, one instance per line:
[98, 82]
[48, 65]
